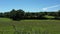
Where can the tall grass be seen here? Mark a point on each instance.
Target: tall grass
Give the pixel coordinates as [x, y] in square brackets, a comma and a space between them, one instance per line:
[8, 26]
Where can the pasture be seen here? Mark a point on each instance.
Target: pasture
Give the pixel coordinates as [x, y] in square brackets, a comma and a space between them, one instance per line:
[8, 26]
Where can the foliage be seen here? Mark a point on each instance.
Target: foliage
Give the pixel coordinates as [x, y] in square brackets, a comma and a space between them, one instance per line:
[21, 14]
[16, 14]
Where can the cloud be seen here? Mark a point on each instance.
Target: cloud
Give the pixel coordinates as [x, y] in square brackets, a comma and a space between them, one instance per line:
[45, 9]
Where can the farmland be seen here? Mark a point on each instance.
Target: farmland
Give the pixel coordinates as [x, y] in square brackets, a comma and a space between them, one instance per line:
[8, 26]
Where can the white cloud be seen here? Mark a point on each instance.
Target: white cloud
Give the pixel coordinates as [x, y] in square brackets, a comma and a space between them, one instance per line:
[45, 9]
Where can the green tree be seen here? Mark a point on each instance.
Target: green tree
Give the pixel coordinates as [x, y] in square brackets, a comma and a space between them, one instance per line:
[1, 15]
[17, 14]
[6, 14]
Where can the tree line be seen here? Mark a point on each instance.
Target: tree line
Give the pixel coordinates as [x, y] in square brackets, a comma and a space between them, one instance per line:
[21, 14]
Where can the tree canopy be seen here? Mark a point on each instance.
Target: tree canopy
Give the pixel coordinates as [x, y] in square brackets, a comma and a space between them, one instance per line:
[21, 14]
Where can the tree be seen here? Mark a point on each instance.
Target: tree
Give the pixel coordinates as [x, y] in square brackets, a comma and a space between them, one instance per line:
[41, 15]
[6, 14]
[59, 13]
[57, 16]
[17, 14]
[1, 15]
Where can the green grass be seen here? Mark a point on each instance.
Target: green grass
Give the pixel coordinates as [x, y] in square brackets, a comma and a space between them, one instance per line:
[49, 16]
[29, 26]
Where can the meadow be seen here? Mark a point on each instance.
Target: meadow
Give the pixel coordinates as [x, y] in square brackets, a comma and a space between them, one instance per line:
[8, 26]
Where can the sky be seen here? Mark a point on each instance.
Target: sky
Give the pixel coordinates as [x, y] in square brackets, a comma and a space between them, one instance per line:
[30, 5]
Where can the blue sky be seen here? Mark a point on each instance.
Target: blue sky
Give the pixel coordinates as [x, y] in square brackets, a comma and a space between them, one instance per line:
[30, 5]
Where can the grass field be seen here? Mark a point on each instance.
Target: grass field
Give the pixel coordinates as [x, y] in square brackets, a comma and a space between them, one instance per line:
[8, 26]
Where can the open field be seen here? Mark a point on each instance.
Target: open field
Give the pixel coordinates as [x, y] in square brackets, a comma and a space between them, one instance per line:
[8, 26]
